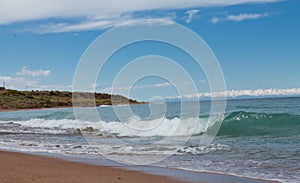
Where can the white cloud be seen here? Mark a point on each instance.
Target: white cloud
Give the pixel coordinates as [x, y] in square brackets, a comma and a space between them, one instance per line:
[157, 85]
[242, 17]
[251, 93]
[95, 13]
[26, 72]
[239, 18]
[190, 14]
[96, 25]
[21, 83]
[17, 82]
[51, 87]
[215, 20]
[125, 88]
[203, 81]
[94, 86]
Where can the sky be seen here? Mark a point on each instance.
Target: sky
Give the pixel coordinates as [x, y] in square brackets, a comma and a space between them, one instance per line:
[256, 42]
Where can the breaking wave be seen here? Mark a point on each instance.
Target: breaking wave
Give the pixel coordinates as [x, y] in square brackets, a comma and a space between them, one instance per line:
[234, 124]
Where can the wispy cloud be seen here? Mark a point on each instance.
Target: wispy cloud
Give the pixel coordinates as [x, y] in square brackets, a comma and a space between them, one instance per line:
[242, 17]
[27, 72]
[215, 20]
[251, 93]
[97, 14]
[190, 14]
[17, 82]
[157, 85]
[96, 24]
[21, 83]
[239, 18]
[203, 81]
[28, 79]
[125, 88]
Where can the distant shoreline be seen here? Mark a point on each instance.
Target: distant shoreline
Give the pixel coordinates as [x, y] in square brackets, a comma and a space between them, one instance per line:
[49, 108]
[33, 109]
[14, 100]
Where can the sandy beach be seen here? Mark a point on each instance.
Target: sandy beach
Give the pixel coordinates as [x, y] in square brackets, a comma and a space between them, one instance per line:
[206, 91]
[18, 167]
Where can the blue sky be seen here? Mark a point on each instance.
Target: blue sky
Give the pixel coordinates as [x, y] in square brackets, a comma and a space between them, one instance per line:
[257, 42]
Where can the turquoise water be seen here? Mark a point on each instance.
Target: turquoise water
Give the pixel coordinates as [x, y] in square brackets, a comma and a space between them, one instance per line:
[258, 138]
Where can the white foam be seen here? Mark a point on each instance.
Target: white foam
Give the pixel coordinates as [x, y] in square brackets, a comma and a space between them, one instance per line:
[134, 126]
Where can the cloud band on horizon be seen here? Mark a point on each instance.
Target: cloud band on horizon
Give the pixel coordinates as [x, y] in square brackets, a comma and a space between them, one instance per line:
[240, 93]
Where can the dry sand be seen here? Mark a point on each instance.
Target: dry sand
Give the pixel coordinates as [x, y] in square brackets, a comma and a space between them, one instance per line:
[18, 167]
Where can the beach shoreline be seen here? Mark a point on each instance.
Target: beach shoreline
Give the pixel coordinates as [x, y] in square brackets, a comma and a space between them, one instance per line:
[34, 109]
[58, 107]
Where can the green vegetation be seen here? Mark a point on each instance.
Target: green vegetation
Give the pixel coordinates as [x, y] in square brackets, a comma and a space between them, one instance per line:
[14, 100]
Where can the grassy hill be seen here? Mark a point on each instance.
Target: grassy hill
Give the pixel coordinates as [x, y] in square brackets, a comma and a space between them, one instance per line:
[16, 100]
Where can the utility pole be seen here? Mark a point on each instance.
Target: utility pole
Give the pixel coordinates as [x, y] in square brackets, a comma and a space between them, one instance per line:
[3, 84]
